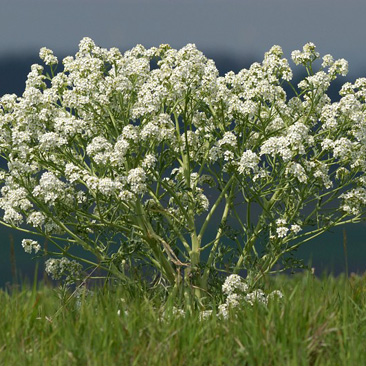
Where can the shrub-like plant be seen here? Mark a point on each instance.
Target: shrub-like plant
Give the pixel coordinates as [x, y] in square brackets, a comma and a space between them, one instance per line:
[151, 158]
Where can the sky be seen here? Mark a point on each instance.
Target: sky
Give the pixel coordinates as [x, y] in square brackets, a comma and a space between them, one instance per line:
[238, 28]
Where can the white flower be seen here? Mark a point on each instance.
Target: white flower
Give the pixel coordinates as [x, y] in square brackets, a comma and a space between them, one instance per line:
[256, 296]
[354, 200]
[282, 231]
[72, 172]
[51, 189]
[297, 171]
[233, 300]
[307, 55]
[339, 67]
[150, 131]
[328, 60]
[223, 311]
[215, 153]
[136, 179]
[36, 219]
[51, 140]
[320, 81]
[295, 228]
[99, 149]
[233, 283]
[149, 161]
[108, 187]
[329, 115]
[69, 126]
[277, 145]
[131, 133]
[120, 150]
[12, 216]
[342, 148]
[47, 56]
[58, 268]
[126, 195]
[205, 314]
[228, 155]
[228, 139]
[281, 222]
[30, 245]
[35, 81]
[202, 201]
[248, 161]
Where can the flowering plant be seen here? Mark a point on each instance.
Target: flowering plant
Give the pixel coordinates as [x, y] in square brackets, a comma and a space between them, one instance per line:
[138, 157]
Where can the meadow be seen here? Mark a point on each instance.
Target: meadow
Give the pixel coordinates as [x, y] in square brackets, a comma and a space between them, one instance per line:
[320, 321]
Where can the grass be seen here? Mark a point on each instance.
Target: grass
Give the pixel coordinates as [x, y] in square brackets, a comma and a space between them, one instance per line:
[319, 322]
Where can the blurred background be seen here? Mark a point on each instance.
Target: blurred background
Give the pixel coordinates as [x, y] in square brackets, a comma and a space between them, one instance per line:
[234, 33]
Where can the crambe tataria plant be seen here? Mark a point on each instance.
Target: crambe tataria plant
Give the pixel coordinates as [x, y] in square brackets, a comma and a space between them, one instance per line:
[151, 157]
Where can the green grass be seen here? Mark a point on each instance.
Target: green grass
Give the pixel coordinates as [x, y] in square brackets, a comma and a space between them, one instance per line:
[319, 322]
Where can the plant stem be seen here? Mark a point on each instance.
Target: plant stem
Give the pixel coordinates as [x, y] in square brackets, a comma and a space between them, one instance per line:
[211, 257]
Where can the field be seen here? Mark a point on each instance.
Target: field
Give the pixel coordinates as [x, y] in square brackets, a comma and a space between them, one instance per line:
[320, 321]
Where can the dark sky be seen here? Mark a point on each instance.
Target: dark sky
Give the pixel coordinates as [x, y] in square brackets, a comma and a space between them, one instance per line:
[240, 28]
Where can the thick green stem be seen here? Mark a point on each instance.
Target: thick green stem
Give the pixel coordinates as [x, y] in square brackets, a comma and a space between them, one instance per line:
[211, 256]
[151, 239]
[215, 206]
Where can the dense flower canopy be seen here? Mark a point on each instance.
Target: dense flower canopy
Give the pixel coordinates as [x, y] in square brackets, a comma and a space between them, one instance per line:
[120, 152]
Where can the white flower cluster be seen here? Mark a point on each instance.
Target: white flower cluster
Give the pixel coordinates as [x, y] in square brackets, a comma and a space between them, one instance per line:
[51, 189]
[14, 201]
[136, 179]
[289, 145]
[36, 219]
[159, 129]
[354, 201]
[283, 229]
[47, 56]
[248, 161]
[307, 55]
[63, 267]
[238, 294]
[29, 245]
[234, 283]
